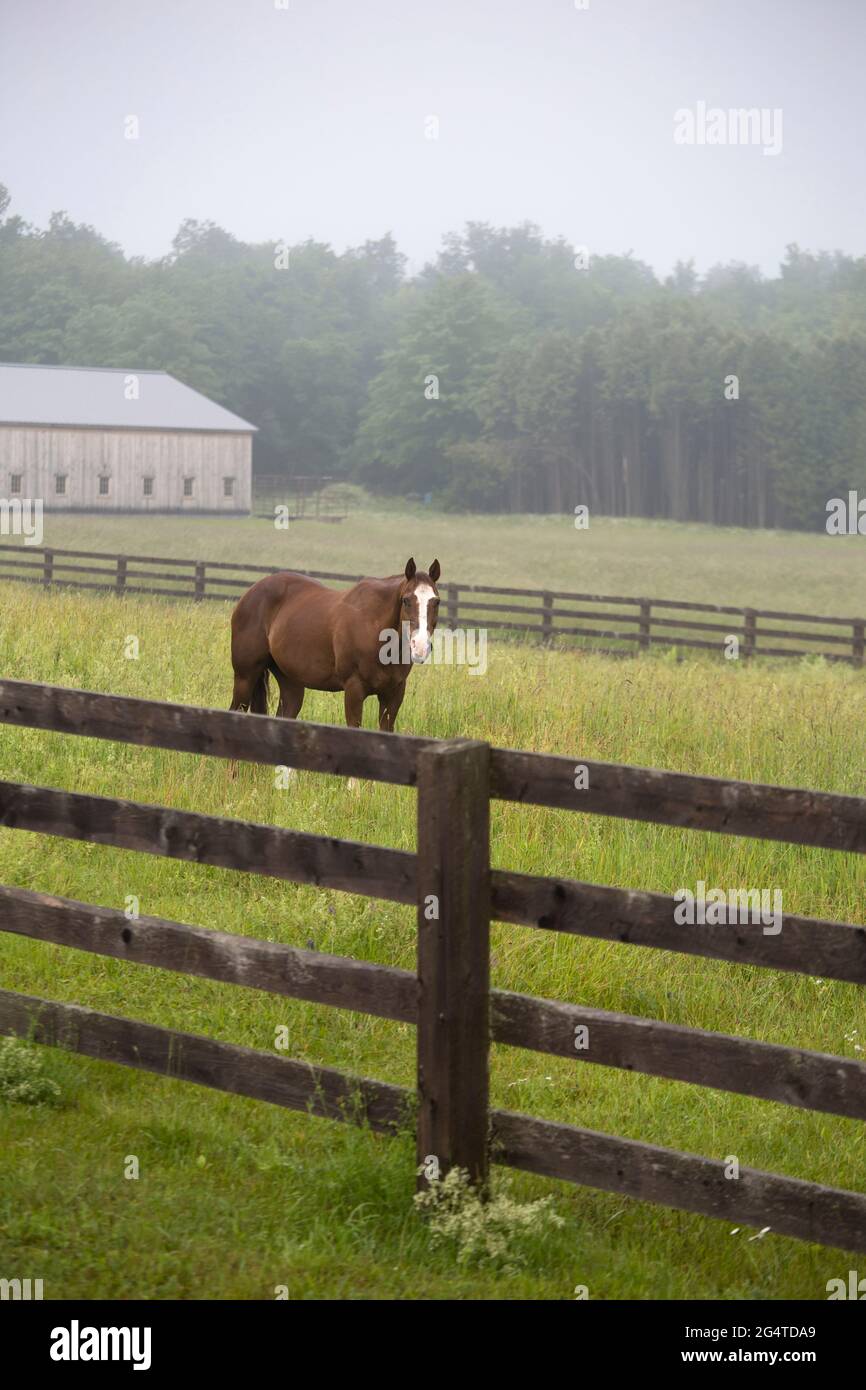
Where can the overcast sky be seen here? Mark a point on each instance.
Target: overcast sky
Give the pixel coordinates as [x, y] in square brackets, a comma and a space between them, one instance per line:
[312, 121]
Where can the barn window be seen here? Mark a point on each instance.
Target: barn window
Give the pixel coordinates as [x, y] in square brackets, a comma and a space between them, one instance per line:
[60, 484]
[228, 487]
[104, 485]
[148, 486]
[15, 483]
[188, 486]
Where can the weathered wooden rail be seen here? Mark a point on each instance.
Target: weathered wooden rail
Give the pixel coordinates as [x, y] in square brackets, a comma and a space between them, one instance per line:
[449, 999]
[541, 615]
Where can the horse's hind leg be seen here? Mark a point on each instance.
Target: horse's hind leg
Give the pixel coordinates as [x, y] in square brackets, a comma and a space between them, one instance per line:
[250, 691]
[291, 695]
[291, 699]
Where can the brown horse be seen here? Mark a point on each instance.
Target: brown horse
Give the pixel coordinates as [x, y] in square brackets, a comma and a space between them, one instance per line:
[363, 641]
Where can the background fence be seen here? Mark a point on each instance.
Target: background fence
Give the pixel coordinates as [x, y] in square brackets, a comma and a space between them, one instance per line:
[535, 614]
[316, 498]
[449, 1000]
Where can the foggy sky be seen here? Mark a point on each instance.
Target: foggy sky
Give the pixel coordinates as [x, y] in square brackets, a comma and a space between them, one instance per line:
[309, 121]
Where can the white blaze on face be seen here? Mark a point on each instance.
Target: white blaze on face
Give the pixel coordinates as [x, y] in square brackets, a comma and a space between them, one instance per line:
[419, 639]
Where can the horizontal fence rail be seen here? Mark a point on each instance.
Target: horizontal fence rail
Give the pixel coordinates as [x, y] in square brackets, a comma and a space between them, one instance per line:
[809, 1080]
[790, 1206]
[319, 978]
[729, 807]
[632, 625]
[219, 733]
[826, 819]
[227, 844]
[804, 945]
[243, 1071]
[449, 1001]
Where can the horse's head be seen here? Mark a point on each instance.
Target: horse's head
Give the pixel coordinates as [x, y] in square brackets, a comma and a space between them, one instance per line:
[419, 608]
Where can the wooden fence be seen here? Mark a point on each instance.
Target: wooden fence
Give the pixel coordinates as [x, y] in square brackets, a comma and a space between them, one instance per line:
[543, 615]
[317, 498]
[449, 1000]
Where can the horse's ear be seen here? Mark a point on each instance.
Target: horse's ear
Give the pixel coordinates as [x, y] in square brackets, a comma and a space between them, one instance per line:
[410, 567]
[434, 571]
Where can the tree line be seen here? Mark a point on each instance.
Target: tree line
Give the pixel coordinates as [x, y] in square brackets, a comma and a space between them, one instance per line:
[513, 373]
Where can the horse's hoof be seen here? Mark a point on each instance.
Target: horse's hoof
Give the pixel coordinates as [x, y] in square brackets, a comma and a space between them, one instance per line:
[352, 785]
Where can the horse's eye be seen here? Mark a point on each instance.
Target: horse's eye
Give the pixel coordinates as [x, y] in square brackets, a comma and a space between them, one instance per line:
[406, 601]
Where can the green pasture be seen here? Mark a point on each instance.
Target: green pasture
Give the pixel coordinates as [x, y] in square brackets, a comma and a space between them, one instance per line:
[235, 1197]
[789, 570]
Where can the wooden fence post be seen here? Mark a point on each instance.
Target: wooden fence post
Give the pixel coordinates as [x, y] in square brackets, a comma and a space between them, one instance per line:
[750, 634]
[453, 958]
[858, 642]
[120, 582]
[47, 567]
[199, 580]
[547, 617]
[644, 624]
[453, 604]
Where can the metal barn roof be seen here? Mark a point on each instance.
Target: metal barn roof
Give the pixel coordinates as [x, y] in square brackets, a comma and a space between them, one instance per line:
[96, 396]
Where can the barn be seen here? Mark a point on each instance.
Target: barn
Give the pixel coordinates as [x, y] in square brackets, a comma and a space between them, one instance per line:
[116, 440]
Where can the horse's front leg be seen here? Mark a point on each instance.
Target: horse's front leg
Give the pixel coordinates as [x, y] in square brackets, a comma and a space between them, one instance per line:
[389, 706]
[354, 696]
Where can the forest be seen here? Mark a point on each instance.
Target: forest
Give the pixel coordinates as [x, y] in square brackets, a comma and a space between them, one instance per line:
[514, 373]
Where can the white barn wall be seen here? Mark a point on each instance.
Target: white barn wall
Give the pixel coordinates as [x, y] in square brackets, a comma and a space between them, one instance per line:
[126, 456]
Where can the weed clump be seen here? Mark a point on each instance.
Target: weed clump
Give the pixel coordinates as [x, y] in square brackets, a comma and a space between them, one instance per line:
[21, 1079]
[482, 1232]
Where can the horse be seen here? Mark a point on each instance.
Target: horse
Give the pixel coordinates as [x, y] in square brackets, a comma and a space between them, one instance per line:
[310, 637]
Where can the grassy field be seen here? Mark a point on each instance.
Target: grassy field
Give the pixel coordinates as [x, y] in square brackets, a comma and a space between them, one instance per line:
[763, 569]
[236, 1197]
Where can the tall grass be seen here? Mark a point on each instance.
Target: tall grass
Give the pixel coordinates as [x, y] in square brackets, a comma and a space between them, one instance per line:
[234, 1197]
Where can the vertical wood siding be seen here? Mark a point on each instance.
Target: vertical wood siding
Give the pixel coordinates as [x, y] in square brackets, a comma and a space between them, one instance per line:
[38, 453]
